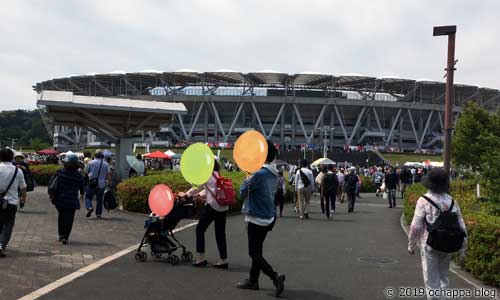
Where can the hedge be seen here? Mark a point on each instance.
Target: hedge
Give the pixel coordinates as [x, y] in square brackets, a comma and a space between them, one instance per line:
[133, 192]
[42, 173]
[367, 185]
[482, 218]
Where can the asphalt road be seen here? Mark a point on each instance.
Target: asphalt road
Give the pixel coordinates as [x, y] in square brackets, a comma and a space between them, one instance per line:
[354, 256]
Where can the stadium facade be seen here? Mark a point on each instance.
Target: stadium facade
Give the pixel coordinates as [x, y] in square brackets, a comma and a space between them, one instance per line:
[306, 108]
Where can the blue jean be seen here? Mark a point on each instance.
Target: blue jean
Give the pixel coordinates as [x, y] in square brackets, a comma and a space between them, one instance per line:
[89, 195]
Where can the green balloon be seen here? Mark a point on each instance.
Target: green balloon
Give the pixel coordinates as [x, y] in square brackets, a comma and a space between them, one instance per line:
[197, 164]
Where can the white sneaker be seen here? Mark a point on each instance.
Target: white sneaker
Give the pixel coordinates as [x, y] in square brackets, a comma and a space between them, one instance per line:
[21, 209]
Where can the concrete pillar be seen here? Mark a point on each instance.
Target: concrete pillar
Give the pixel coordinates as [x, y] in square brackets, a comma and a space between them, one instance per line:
[293, 126]
[123, 148]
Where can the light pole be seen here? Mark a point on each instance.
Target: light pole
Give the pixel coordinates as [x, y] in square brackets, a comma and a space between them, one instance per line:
[450, 31]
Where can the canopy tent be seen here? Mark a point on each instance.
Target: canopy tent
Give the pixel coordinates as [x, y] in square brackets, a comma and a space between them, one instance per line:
[323, 161]
[157, 154]
[48, 152]
[170, 153]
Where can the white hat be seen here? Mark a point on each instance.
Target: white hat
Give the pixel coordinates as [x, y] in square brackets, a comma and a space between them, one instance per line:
[17, 154]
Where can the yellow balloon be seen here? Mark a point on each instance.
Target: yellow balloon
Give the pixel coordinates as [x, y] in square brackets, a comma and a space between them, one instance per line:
[250, 151]
[197, 164]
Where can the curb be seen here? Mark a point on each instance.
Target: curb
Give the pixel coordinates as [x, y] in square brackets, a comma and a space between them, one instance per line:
[456, 269]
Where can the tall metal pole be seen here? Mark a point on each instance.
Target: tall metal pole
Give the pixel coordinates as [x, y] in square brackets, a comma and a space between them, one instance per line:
[450, 31]
[449, 101]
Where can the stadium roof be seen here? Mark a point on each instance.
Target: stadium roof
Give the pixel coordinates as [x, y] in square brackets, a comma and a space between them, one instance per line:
[120, 83]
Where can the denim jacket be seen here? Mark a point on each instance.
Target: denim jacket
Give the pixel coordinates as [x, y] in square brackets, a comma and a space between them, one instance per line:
[259, 191]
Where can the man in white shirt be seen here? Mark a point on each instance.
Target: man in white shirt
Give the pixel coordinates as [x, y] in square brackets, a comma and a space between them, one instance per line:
[9, 193]
[304, 189]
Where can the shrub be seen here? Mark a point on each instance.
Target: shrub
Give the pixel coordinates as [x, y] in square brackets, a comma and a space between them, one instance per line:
[367, 185]
[42, 173]
[133, 192]
[483, 228]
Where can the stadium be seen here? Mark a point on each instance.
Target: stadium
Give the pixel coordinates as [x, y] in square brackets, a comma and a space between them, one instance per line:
[317, 110]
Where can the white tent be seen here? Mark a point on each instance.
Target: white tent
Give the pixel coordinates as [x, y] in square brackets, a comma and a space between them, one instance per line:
[170, 153]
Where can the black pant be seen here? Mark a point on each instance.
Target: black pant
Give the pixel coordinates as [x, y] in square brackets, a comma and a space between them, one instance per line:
[328, 198]
[256, 237]
[351, 196]
[279, 200]
[65, 221]
[392, 197]
[208, 215]
[7, 220]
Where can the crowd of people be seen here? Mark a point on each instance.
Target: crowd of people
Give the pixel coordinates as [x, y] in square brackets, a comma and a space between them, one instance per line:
[82, 180]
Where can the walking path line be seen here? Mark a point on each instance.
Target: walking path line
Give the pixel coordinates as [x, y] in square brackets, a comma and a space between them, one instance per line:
[455, 268]
[68, 278]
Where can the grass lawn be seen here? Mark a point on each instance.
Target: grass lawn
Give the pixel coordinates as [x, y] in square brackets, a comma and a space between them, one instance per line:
[401, 158]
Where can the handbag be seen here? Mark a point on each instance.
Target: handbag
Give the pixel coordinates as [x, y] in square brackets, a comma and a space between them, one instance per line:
[3, 202]
[94, 182]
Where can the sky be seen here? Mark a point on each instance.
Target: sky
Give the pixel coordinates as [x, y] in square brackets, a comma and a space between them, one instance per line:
[41, 40]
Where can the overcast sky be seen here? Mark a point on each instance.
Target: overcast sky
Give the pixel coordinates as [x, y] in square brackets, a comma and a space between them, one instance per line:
[41, 40]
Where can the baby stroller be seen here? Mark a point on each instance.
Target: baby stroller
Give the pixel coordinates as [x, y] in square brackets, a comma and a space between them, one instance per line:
[160, 237]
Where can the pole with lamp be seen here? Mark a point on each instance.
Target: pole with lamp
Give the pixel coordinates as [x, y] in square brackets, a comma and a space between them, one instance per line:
[450, 31]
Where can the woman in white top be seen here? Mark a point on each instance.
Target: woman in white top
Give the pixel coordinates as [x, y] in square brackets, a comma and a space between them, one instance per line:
[212, 211]
[435, 264]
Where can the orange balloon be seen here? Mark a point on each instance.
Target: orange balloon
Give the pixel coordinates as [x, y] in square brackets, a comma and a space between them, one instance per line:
[250, 151]
[161, 200]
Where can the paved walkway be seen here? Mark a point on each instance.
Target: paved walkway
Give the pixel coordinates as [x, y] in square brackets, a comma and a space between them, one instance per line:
[35, 258]
[355, 256]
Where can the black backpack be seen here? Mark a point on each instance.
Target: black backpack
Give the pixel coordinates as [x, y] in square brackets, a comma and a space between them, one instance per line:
[52, 187]
[110, 201]
[445, 234]
[305, 179]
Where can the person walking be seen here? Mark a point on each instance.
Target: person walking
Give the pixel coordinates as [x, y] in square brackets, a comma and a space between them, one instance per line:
[12, 192]
[279, 198]
[66, 200]
[98, 173]
[319, 182]
[260, 216]
[28, 177]
[378, 178]
[435, 203]
[391, 184]
[351, 183]
[405, 179]
[341, 192]
[212, 211]
[304, 182]
[329, 189]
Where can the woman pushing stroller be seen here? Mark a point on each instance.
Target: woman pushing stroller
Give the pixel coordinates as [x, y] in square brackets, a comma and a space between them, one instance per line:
[211, 211]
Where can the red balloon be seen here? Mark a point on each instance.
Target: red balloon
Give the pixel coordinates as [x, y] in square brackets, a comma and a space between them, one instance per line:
[161, 200]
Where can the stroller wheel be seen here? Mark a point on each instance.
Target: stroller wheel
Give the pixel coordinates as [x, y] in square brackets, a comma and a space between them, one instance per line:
[175, 259]
[187, 256]
[170, 260]
[141, 256]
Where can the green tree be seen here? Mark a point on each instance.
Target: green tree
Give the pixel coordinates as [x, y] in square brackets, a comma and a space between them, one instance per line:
[37, 144]
[467, 146]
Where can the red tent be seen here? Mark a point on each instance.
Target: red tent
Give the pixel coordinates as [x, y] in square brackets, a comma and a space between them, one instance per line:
[48, 152]
[157, 154]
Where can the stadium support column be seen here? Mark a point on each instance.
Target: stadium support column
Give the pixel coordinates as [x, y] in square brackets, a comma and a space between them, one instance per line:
[293, 127]
[123, 148]
[205, 124]
[450, 31]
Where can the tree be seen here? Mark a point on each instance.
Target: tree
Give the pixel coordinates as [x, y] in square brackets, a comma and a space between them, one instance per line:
[37, 144]
[467, 147]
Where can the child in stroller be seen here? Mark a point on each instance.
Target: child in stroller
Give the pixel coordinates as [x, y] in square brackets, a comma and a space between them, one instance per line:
[160, 236]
